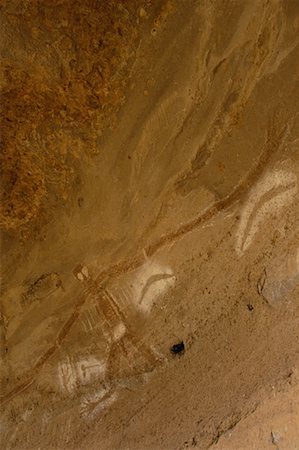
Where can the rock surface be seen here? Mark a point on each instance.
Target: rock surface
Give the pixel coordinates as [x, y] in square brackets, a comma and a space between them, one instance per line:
[149, 196]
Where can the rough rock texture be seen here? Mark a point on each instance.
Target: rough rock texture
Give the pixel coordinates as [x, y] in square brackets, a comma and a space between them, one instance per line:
[64, 68]
[149, 195]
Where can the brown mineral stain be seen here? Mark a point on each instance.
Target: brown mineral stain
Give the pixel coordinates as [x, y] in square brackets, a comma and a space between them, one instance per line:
[58, 89]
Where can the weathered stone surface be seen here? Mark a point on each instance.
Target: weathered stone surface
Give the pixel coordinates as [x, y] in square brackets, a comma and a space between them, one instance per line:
[150, 196]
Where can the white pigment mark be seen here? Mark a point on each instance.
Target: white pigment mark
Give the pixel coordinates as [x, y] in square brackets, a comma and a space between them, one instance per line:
[73, 373]
[271, 194]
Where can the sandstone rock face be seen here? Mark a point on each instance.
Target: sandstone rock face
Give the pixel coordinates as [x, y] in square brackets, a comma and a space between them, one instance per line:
[149, 195]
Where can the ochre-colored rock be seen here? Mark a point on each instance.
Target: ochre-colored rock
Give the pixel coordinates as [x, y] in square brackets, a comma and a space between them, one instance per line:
[149, 224]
